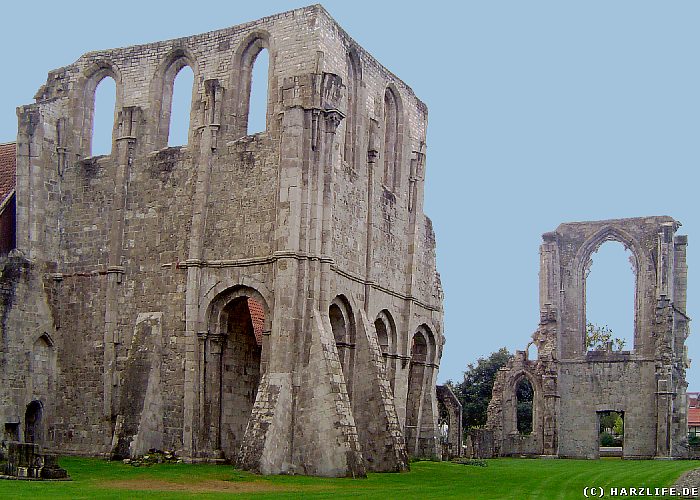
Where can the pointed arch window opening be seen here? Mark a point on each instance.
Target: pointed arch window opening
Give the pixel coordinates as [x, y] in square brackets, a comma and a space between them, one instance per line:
[258, 98]
[608, 303]
[181, 107]
[103, 113]
[391, 139]
[524, 396]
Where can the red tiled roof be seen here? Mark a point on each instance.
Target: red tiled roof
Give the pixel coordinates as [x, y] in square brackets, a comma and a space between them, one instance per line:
[693, 416]
[8, 168]
[257, 314]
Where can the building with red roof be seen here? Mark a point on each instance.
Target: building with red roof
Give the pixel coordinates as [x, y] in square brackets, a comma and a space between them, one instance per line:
[694, 414]
[8, 169]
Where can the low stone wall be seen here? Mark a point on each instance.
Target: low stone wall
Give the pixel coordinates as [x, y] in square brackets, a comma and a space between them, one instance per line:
[479, 443]
[27, 461]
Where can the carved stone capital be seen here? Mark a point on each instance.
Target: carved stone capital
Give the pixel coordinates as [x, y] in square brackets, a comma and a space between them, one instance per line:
[333, 118]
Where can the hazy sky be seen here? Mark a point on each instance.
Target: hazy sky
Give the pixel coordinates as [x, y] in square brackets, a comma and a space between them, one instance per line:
[541, 112]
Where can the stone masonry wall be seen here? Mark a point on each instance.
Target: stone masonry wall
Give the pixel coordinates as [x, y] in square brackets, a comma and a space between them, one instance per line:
[126, 262]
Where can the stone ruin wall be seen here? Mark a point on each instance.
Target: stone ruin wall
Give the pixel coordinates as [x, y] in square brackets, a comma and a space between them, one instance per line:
[124, 261]
[647, 383]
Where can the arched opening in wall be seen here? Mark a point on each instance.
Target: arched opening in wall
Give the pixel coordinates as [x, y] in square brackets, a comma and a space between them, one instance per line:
[419, 427]
[257, 107]
[33, 432]
[382, 337]
[343, 327]
[611, 433]
[532, 352]
[103, 117]
[181, 107]
[609, 295]
[386, 336]
[241, 358]
[351, 121]
[524, 396]
[391, 138]
[443, 422]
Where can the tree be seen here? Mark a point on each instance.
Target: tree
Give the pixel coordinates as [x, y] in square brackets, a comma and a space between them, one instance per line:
[618, 427]
[607, 421]
[474, 392]
[599, 337]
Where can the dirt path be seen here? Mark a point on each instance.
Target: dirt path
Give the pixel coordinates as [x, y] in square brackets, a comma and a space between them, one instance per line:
[211, 485]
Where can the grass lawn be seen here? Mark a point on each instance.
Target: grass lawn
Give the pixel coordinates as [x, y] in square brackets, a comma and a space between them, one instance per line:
[503, 478]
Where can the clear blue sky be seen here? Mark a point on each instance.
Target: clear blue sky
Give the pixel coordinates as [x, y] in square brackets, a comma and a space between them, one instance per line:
[541, 112]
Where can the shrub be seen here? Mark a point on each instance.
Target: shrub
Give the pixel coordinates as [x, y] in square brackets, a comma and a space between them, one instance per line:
[606, 439]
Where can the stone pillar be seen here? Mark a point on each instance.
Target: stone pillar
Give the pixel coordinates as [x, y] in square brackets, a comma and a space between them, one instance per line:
[207, 147]
[214, 365]
[202, 435]
[663, 414]
[681, 321]
[549, 271]
[372, 157]
[128, 121]
[332, 119]
[550, 412]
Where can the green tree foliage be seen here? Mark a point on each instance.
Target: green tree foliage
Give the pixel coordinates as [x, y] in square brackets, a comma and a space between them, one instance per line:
[618, 428]
[606, 440]
[611, 428]
[607, 420]
[474, 392]
[598, 337]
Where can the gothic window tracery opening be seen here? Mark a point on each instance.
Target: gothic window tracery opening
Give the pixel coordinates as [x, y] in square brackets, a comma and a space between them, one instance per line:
[610, 298]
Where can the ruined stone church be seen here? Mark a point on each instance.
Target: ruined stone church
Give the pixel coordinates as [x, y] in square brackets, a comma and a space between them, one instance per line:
[573, 386]
[267, 299]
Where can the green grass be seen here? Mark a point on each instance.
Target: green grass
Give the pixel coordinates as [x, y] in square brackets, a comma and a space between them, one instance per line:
[503, 478]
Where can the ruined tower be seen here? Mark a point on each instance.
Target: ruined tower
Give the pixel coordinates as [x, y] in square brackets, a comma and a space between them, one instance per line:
[270, 299]
[573, 386]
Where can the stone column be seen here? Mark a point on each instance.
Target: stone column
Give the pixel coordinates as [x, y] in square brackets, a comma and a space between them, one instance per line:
[549, 417]
[663, 414]
[372, 157]
[128, 121]
[203, 393]
[207, 148]
[217, 342]
[332, 119]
